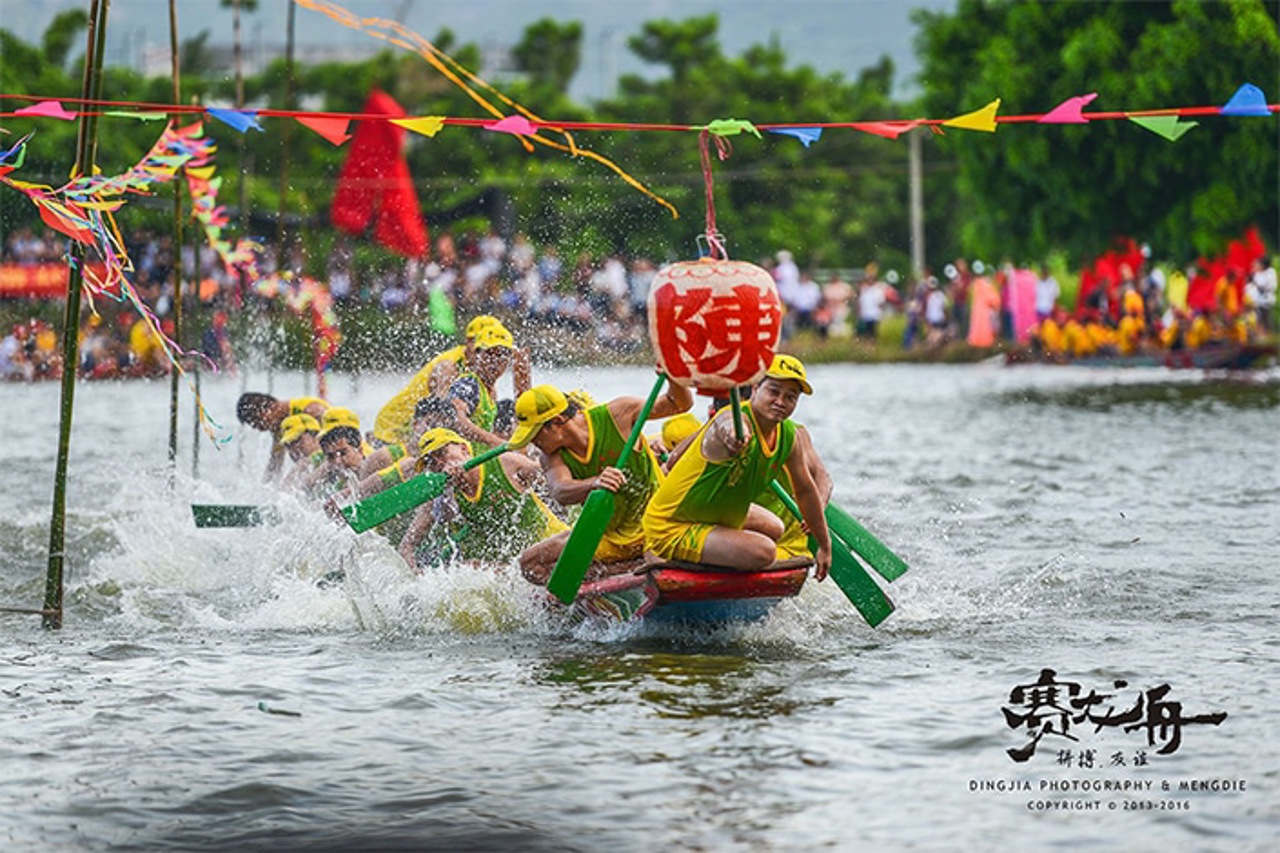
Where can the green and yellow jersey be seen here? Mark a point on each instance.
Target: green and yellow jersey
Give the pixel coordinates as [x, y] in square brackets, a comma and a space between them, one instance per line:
[624, 535]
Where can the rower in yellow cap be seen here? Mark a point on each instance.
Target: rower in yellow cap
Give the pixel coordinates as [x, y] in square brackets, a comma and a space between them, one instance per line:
[392, 424]
[264, 412]
[579, 451]
[489, 510]
[474, 392]
[705, 512]
[300, 436]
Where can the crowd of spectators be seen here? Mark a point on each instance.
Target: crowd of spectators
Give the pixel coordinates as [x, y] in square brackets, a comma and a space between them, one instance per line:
[597, 299]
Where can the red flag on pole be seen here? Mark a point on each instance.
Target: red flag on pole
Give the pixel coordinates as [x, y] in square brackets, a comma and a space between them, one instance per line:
[375, 182]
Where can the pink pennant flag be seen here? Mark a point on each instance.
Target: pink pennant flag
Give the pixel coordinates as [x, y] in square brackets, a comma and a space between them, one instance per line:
[332, 129]
[516, 125]
[1069, 111]
[48, 109]
[887, 129]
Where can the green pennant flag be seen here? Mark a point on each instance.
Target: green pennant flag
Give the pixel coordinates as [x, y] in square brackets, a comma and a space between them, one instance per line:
[136, 115]
[440, 310]
[1167, 126]
[731, 127]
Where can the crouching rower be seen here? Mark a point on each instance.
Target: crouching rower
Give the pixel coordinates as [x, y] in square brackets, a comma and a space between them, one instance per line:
[703, 512]
[580, 449]
[492, 516]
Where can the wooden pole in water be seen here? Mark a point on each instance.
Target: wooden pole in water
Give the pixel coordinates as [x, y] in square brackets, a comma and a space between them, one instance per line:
[86, 150]
[177, 250]
[285, 141]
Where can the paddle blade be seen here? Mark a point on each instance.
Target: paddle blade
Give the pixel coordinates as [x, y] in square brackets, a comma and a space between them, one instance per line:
[868, 547]
[375, 509]
[858, 586]
[234, 515]
[581, 546]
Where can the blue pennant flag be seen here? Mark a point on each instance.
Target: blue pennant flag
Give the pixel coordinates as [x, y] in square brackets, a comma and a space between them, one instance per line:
[1247, 101]
[807, 135]
[241, 120]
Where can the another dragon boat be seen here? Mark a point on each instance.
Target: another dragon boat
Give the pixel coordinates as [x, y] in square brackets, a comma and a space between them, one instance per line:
[1211, 357]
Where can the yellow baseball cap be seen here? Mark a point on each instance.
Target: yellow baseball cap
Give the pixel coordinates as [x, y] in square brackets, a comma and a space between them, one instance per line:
[581, 398]
[438, 437]
[789, 367]
[482, 321]
[336, 417]
[534, 408]
[294, 427]
[678, 428]
[494, 336]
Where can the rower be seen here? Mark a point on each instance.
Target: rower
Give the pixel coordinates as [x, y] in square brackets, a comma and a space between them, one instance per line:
[343, 447]
[392, 424]
[429, 412]
[492, 515]
[264, 412]
[674, 433]
[474, 392]
[703, 512]
[579, 448]
[300, 437]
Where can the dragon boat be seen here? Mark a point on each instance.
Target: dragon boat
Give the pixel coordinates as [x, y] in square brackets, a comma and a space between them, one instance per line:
[691, 593]
[1210, 357]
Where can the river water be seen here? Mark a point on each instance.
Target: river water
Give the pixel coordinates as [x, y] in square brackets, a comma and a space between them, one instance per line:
[209, 691]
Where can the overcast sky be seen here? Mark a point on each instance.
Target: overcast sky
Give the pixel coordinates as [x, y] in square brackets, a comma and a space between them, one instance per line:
[830, 35]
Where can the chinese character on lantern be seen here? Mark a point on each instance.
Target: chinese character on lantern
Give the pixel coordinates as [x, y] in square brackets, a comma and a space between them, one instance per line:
[714, 323]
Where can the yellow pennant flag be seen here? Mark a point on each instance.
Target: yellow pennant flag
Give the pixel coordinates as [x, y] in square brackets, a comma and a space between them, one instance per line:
[983, 119]
[425, 125]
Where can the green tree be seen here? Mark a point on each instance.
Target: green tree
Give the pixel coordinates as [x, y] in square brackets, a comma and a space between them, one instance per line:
[1034, 188]
[550, 53]
[61, 35]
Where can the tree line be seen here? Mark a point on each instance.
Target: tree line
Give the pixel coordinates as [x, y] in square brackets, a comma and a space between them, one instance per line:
[1024, 193]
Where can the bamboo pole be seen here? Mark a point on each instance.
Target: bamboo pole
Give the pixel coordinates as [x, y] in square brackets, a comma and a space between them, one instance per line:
[285, 140]
[86, 151]
[177, 250]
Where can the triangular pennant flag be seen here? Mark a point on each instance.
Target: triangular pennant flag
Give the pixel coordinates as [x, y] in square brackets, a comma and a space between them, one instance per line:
[424, 125]
[1166, 126]
[515, 125]
[887, 129]
[241, 120]
[806, 135]
[1069, 111]
[135, 115]
[204, 173]
[730, 127]
[332, 129]
[48, 109]
[983, 119]
[1247, 101]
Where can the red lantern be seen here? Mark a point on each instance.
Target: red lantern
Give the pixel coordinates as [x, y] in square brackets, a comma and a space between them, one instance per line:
[714, 323]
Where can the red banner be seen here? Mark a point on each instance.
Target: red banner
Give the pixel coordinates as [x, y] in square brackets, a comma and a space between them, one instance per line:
[37, 281]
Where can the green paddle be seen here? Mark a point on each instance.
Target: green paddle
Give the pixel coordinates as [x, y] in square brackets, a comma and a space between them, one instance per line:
[575, 559]
[234, 515]
[868, 547]
[847, 572]
[375, 509]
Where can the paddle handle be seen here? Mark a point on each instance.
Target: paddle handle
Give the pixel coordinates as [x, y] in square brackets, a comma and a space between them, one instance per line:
[735, 403]
[485, 457]
[640, 421]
